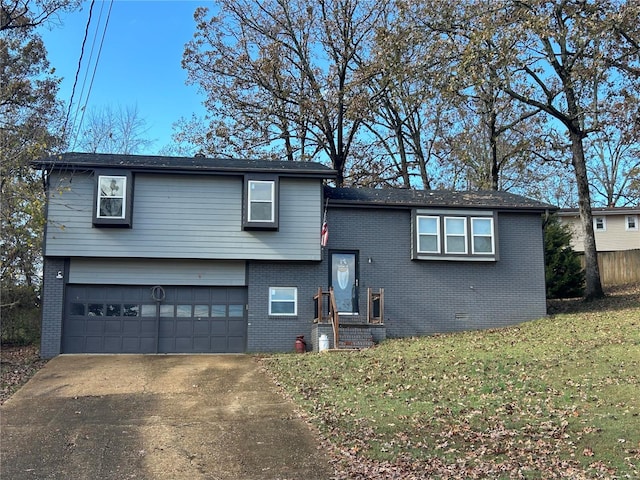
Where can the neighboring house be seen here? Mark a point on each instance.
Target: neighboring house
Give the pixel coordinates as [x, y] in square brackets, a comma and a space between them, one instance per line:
[615, 228]
[158, 254]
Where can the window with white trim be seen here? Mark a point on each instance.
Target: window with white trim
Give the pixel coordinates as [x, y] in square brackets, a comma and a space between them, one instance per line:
[113, 199]
[600, 224]
[631, 223]
[260, 203]
[283, 301]
[428, 234]
[482, 236]
[454, 236]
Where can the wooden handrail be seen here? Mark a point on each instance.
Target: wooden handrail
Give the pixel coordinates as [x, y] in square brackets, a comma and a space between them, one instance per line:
[335, 317]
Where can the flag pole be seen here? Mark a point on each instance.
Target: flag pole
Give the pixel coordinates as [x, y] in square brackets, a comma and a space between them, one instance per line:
[324, 232]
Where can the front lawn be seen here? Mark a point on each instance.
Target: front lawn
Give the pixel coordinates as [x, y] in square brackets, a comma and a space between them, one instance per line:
[553, 398]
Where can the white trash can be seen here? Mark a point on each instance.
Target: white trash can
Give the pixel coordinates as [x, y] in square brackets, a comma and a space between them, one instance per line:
[323, 343]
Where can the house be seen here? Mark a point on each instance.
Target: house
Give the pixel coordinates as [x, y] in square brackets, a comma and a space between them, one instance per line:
[615, 228]
[147, 254]
[617, 234]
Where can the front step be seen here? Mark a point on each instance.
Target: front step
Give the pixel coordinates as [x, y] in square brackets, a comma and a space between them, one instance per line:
[355, 338]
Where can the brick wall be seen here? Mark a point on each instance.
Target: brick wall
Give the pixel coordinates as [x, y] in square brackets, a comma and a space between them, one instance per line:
[278, 333]
[421, 297]
[52, 306]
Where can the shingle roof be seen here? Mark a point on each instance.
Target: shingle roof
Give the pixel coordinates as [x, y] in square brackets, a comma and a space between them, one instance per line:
[400, 197]
[183, 164]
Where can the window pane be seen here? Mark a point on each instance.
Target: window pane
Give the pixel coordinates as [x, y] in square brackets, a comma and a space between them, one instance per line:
[183, 310]
[283, 308]
[286, 293]
[77, 309]
[260, 212]
[113, 310]
[218, 310]
[427, 225]
[428, 243]
[481, 226]
[482, 245]
[456, 245]
[454, 226]
[236, 310]
[148, 310]
[201, 310]
[111, 207]
[166, 311]
[112, 186]
[260, 191]
[96, 310]
[131, 310]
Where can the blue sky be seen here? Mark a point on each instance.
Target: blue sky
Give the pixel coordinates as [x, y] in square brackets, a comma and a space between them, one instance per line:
[139, 63]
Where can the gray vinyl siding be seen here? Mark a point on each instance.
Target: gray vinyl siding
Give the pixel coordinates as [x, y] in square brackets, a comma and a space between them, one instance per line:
[151, 272]
[183, 216]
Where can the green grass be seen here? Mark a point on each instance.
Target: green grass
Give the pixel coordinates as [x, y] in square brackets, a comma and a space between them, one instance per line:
[553, 398]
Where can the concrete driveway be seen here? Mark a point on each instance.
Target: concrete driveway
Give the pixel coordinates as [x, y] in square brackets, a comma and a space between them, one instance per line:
[155, 417]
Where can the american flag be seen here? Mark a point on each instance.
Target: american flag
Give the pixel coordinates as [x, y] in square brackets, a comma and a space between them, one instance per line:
[324, 234]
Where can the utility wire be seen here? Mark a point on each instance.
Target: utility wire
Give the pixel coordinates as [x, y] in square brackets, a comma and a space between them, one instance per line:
[88, 65]
[75, 82]
[93, 75]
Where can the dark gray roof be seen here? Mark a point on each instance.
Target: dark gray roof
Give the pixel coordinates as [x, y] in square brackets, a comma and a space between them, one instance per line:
[401, 197]
[182, 164]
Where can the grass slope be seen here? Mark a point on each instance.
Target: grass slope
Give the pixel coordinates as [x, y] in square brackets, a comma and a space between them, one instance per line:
[553, 398]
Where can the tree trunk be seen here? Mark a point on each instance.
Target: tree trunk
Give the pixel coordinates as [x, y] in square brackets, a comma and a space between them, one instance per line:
[593, 287]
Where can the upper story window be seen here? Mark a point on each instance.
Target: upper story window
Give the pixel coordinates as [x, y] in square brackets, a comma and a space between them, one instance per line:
[113, 200]
[260, 203]
[631, 223]
[454, 236]
[600, 224]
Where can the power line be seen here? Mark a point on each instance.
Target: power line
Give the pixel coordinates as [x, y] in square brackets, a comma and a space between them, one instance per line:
[84, 81]
[93, 75]
[75, 82]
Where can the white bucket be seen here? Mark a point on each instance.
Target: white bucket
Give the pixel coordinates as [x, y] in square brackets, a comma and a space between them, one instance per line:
[323, 343]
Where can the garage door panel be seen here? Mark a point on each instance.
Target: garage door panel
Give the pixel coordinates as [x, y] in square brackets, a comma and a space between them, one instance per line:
[184, 328]
[219, 344]
[94, 325]
[236, 327]
[202, 344]
[236, 345]
[201, 327]
[131, 326]
[112, 326]
[123, 319]
[148, 327]
[219, 327]
[184, 344]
